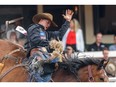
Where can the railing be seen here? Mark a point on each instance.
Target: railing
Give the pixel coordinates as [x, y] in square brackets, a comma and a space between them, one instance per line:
[112, 79]
[97, 54]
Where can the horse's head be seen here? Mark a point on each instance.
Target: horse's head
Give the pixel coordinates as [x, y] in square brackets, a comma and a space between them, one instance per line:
[100, 75]
[83, 70]
[92, 75]
[92, 72]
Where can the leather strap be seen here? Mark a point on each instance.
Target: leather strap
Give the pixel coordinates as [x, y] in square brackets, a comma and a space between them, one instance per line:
[90, 78]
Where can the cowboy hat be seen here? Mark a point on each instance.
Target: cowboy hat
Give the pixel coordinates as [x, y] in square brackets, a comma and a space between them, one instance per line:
[111, 68]
[36, 18]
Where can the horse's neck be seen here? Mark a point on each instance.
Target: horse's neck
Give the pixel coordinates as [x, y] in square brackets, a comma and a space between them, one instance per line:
[62, 75]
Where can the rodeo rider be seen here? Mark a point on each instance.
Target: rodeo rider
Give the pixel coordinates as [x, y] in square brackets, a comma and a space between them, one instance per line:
[38, 38]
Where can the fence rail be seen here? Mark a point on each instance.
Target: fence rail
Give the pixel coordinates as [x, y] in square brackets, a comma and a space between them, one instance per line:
[96, 54]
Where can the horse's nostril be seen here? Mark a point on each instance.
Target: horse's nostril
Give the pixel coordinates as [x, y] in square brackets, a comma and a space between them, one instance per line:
[102, 79]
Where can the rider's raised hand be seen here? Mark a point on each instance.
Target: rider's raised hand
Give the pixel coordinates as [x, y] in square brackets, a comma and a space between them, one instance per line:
[68, 15]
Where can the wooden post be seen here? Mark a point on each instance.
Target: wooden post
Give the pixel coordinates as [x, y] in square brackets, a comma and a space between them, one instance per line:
[40, 9]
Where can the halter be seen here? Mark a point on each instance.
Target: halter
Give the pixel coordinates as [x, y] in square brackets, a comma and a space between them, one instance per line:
[90, 77]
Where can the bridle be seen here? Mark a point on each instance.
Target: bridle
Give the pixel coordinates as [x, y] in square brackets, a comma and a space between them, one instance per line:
[90, 76]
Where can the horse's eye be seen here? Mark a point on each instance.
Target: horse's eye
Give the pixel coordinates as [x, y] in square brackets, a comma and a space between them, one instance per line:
[102, 79]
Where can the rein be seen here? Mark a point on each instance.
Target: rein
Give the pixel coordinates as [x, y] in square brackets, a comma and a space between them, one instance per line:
[9, 70]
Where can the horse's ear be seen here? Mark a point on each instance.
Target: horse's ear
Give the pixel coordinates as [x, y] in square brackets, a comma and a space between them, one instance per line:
[101, 65]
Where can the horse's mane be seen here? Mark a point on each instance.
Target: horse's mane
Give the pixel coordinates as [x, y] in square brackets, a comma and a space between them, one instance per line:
[86, 61]
[79, 63]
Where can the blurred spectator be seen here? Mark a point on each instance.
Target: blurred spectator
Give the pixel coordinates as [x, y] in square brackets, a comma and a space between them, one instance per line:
[13, 36]
[109, 64]
[105, 59]
[69, 53]
[97, 45]
[105, 54]
[74, 36]
[11, 27]
[113, 47]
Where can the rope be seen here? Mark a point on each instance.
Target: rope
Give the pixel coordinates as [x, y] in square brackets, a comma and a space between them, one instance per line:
[14, 51]
[9, 54]
[9, 70]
